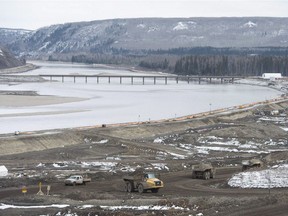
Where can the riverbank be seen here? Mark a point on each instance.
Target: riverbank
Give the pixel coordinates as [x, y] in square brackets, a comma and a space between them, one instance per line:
[20, 69]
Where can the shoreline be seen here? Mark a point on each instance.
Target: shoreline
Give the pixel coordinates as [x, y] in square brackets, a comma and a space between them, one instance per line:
[20, 69]
[218, 112]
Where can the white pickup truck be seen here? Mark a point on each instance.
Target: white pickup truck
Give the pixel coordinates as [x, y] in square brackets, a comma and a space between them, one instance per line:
[76, 179]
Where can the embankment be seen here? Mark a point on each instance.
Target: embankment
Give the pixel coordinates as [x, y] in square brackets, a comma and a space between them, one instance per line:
[20, 69]
[142, 130]
[38, 141]
[22, 143]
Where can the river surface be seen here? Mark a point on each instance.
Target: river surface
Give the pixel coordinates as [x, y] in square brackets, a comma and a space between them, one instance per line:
[104, 103]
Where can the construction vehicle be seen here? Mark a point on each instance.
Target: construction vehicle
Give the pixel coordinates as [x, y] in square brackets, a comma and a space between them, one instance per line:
[203, 171]
[252, 163]
[142, 181]
[77, 180]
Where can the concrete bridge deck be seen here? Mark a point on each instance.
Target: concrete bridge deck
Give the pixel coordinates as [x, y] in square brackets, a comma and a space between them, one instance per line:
[144, 78]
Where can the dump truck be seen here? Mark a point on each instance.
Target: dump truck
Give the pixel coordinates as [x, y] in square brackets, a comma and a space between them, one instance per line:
[77, 180]
[142, 181]
[252, 163]
[203, 171]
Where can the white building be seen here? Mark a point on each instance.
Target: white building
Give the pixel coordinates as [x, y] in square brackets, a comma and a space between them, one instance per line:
[271, 76]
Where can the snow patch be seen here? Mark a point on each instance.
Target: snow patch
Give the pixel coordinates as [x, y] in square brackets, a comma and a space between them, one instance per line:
[152, 29]
[3, 171]
[46, 44]
[59, 165]
[285, 129]
[141, 208]
[6, 206]
[141, 26]
[160, 166]
[113, 158]
[276, 177]
[126, 207]
[101, 141]
[1, 53]
[180, 26]
[177, 156]
[104, 166]
[158, 140]
[250, 24]
[203, 151]
[40, 165]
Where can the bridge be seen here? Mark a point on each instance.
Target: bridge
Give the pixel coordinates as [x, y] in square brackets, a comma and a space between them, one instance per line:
[156, 79]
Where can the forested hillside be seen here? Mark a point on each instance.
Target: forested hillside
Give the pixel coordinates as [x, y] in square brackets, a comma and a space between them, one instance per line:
[252, 65]
[231, 45]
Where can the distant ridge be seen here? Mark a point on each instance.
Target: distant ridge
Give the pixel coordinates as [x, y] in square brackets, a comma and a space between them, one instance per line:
[148, 34]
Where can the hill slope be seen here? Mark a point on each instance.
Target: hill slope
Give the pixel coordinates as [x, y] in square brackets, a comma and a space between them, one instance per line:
[153, 33]
[7, 60]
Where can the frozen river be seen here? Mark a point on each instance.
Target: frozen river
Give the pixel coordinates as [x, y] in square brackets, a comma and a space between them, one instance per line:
[103, 103]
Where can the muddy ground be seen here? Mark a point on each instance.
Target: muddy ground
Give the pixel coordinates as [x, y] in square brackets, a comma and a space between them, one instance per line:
[108, 153]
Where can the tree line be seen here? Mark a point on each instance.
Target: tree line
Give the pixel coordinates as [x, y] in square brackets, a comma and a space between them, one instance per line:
[191, 61]
[217, 65]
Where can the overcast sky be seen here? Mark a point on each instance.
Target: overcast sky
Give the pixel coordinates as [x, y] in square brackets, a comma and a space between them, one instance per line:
[33, 14]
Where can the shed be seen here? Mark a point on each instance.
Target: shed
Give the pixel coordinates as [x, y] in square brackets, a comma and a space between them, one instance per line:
[3, 171]
[271, 75]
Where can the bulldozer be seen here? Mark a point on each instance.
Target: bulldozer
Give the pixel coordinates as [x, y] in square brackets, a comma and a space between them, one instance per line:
[252, 163]
[203, 171]
[142, 181]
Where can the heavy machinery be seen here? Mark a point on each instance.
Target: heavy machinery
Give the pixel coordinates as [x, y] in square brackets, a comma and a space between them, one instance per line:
[203, 171]
[252, 163]
[142, 181]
